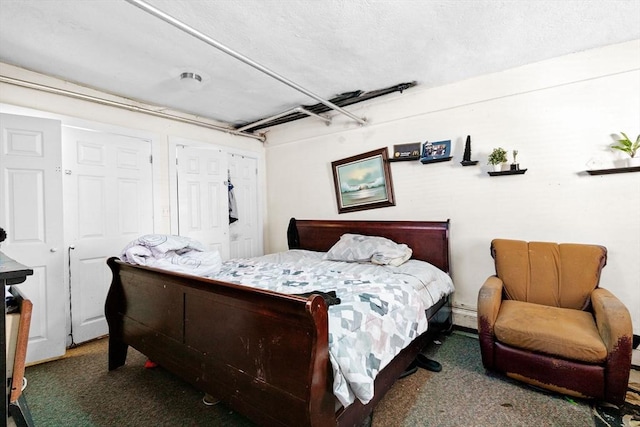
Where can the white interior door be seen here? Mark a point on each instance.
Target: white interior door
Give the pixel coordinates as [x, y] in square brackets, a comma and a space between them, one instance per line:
[203, 211]
[244, 235]
[31, 214]
[108, 181]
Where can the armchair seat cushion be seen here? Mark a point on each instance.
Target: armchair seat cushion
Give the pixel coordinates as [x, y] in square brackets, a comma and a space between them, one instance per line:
[566, 333]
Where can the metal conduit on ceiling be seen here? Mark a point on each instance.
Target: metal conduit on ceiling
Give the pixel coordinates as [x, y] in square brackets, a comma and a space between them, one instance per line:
[348, 98]
[208, 40]
[129, 107]
[246, 130]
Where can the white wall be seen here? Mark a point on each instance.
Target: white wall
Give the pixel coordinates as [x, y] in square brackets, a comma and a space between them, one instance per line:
[75, 112]
[559, 114]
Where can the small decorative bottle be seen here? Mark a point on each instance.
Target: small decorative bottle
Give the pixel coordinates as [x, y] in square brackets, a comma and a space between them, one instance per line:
[515, 166]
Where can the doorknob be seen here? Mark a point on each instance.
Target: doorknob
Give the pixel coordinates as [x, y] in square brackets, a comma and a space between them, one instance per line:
[53, 250]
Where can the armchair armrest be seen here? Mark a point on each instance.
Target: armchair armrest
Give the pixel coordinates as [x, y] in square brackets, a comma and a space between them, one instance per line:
[615, 328]
[489, 301]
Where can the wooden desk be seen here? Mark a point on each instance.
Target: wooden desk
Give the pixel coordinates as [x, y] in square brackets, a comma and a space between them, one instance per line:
[12, 273]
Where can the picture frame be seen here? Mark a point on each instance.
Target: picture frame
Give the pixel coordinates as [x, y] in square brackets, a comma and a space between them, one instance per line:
[409, 151]
[436, 150]
[363, 182]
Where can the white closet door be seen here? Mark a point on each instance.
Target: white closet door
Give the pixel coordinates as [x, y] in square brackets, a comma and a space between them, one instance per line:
[245, 238]
[203, 211]
[31, 214]
[109, 189]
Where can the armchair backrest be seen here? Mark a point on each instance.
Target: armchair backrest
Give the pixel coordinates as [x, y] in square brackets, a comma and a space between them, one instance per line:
[558, 275]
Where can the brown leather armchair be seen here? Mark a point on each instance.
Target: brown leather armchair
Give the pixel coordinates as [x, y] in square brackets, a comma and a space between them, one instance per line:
[542, 319]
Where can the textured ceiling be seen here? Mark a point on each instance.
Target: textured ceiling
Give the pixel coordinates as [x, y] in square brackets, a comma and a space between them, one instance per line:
[328, 47]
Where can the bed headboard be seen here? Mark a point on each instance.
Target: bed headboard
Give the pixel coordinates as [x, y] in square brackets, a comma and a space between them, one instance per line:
[429, 240]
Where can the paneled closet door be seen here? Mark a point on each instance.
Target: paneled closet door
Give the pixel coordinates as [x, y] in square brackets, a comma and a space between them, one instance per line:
[245, 238]
[203, 211]
[108, 185]
[31, 214]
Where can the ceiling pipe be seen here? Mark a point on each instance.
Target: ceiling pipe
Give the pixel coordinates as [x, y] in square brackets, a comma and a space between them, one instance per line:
[203, 37]
[343, 100]
[102, 101]
[326, 120]
[268, 119]
[301, 110]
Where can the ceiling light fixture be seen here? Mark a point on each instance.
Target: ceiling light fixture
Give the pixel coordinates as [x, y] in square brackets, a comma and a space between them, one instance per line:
[191, 81]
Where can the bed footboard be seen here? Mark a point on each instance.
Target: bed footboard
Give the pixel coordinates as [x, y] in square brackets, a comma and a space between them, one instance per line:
[262, 353]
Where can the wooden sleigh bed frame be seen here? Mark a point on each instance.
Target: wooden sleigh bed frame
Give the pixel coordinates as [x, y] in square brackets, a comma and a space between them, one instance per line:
[264, 354]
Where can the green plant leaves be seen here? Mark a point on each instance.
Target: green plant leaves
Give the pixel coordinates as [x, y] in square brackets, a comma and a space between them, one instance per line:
[626, 145]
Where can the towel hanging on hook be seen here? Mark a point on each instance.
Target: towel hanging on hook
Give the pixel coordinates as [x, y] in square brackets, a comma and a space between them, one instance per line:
[233, 207]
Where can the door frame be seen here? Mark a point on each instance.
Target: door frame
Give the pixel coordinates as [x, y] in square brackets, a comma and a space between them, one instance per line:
[89, 125]
[173, 178]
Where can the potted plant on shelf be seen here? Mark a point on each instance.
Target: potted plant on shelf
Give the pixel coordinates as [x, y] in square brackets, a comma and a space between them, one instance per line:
[497, 158]
[631, 148]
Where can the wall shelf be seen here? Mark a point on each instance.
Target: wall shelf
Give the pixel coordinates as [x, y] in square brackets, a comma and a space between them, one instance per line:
[423, 161]
[509, 172]
[443, 159]
[613, 170]
[404, 159]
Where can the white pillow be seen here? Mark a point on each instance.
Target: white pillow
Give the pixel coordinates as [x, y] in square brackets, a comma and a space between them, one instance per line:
[377, 250]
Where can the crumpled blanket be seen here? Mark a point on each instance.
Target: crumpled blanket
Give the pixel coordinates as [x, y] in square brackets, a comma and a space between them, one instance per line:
[176, 253]
[379, 314]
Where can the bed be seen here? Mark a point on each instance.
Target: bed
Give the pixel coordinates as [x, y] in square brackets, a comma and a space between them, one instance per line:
[264, 353]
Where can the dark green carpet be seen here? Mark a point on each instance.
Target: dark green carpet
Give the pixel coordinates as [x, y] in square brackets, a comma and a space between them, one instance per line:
[79, 391]
[463, 394]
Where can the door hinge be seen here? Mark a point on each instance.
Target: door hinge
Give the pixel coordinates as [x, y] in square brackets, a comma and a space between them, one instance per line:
[151, 158]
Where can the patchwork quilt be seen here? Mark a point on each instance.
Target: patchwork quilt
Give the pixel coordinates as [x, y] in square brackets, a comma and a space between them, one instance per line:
[381, 309]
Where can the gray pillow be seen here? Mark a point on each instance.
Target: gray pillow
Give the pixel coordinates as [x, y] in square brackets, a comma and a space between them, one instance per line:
[374, 249]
